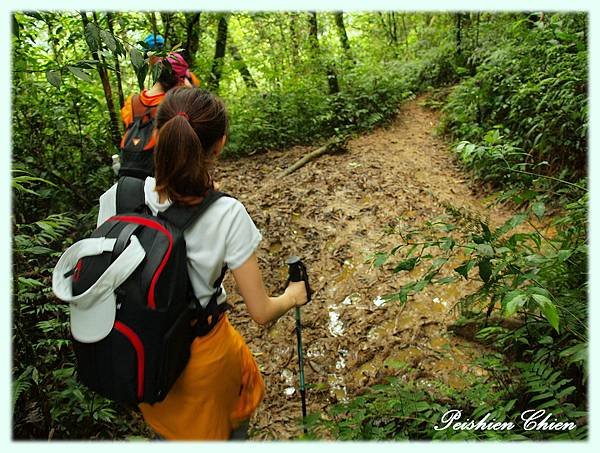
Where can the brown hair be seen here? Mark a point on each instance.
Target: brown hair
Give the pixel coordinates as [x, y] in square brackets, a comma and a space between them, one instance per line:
[190, 121]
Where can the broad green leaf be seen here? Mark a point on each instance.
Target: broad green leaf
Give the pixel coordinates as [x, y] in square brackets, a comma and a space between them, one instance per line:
[548, 309]
[541, 397]
[536, 290]
[109, 40]
[418, 286]
[406, 265]
[53, 77]
[38, 250]
[487, 234]
[447, 243]
[35, 375]
[137, 59]
[87, 64]
[31, 282]
[511, 223]
[380, 259]
[92, 36]
[513, 301]
[563, 255]
[15, 26]
[577, 353]
[536, 259]
[445, 280]
[565, 392]
[465, 268]
[141, 74]
[485, 270]
[538, 208]
[438, 263]
[485, 249]
[79, 73]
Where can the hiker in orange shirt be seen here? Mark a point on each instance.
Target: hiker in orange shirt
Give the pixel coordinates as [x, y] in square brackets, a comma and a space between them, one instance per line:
[178, 76]
[138, 142]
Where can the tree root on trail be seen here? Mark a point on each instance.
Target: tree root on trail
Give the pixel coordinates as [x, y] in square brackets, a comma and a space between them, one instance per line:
[334, 146]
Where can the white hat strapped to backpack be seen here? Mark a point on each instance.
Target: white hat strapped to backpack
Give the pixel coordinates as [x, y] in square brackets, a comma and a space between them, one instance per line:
[93, 311]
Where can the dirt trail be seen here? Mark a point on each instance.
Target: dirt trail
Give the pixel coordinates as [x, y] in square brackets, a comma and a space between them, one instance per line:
[333, 213]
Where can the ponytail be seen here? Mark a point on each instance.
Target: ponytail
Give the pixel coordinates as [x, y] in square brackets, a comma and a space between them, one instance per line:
[190, 122]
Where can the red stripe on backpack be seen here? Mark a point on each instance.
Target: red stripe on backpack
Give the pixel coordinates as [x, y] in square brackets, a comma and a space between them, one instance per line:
[139, 351]
[156, 226]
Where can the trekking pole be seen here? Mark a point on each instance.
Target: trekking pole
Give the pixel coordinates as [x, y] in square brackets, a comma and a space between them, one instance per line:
[297, 273]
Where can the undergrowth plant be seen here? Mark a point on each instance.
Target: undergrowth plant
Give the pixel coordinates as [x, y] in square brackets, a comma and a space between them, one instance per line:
[532, 271]
[527, 103]
[47, 399]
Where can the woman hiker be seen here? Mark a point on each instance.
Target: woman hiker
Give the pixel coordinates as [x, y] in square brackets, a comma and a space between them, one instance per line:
[168, 79]
[138, 113]
[221, 386]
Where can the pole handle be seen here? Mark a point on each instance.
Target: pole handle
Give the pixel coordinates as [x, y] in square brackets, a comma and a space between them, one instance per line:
[297, 273]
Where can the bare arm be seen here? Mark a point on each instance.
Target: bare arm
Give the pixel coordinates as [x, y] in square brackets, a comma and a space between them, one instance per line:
[262, 308]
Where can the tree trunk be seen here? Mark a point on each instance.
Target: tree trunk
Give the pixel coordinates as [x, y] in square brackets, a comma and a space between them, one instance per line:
[110, 18]
[294, 35]
[166, 21]
[332, 80]
[477, 31]
[313, 30]
[192, 36]
[153, 25]
[241, 66]
[458, 17]
[114, 121]
[393, 26]
[221, 44]
[405, 31]
[339, 22]
[387, 29]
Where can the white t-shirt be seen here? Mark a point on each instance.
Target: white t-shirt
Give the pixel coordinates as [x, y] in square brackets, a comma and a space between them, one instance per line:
[224, 234]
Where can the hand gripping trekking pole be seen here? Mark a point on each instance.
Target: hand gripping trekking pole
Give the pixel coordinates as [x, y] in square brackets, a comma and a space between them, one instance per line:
[297, 273]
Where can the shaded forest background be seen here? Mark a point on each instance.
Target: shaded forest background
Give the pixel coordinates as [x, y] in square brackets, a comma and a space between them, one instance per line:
[512, 88]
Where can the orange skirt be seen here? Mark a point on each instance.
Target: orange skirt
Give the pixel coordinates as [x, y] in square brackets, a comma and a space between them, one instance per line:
[219, 388]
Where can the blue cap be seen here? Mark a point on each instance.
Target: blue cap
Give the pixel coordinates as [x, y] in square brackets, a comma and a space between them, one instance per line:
[154, 41]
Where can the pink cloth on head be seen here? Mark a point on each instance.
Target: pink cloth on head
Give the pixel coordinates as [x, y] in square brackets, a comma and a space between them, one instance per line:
[179, 65]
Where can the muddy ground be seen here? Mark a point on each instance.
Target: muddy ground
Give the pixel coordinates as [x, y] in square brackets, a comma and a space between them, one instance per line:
[333, 212]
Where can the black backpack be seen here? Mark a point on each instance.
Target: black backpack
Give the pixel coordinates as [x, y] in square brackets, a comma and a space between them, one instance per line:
[157, 313]
[137, 144]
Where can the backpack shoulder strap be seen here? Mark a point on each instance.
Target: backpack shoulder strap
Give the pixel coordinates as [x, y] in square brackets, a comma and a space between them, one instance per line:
[139, 109]
[183, 216]
[130, 194]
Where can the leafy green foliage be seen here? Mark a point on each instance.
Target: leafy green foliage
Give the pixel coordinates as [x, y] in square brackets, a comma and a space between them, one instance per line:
[537, 280]
[405, 408]
[519, 111]
[516, 116]
[526, 106]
